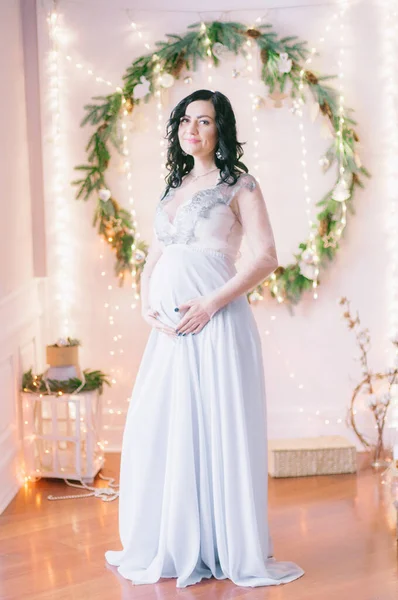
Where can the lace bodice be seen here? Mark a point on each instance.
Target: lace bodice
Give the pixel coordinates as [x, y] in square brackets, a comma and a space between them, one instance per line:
[205, 220]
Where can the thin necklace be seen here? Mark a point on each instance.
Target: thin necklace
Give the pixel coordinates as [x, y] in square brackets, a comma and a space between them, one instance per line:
[195, 177]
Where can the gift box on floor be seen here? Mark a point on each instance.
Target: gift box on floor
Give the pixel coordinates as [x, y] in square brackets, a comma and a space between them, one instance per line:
[323, 455]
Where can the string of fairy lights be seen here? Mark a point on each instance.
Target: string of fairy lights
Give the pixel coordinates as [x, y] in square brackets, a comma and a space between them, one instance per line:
[337, 16]
[389, 69]
[297, 110]
[81, 67]
[112, 307]
[308, 199]
[343, 8]
[127, 169]
[117, 337]
[207, 43]
[390, 66]
[59, 210]
[63, 270]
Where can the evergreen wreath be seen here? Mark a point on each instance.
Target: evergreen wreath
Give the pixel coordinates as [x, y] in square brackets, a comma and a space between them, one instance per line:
[204, 41]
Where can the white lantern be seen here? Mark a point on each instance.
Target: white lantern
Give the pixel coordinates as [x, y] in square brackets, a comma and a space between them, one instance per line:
[62, 435]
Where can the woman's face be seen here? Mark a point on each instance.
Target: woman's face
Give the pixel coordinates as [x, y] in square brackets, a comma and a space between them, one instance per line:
[197, 131]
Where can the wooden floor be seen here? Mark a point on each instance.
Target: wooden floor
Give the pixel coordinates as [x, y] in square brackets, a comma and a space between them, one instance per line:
[339, 529]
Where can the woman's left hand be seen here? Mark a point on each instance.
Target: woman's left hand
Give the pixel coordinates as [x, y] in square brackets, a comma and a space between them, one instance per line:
[199, 312]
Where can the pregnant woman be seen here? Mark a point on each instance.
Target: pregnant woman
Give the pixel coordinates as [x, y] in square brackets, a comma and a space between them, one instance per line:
[193, 476]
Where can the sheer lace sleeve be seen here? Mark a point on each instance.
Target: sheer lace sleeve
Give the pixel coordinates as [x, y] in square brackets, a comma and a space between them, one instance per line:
[258, 231]
[255, 220]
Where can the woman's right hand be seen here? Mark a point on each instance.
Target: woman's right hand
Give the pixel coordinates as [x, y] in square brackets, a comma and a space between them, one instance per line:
[152, 318]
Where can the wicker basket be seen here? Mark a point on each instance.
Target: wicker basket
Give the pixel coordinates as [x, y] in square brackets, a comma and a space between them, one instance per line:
[62, 356]
[324, 455]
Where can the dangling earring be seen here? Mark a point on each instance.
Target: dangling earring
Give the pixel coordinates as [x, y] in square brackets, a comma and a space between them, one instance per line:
[219, 154]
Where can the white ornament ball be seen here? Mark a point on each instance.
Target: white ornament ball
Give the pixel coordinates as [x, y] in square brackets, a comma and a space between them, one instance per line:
[307, 270]
[166, 80]
[104, 194]
[187, 79]
[219, 50]
[308, 256]
[341, 192]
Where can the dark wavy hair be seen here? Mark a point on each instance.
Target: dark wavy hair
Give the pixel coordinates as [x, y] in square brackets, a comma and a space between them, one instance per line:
[180, 164]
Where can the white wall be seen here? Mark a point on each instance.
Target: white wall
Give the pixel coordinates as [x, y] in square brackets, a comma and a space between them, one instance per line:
[313, 347]
[21, 289]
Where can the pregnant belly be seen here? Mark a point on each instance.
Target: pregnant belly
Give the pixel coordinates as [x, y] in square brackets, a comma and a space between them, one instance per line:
[183, 273]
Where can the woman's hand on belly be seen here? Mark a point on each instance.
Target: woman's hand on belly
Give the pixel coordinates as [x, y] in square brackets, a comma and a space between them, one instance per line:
[199, 312]
[152, 318]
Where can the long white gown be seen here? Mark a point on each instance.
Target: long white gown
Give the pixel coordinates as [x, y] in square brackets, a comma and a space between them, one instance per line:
[193, 476]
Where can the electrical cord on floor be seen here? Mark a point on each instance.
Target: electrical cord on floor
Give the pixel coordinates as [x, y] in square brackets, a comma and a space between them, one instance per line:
[106, 494]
